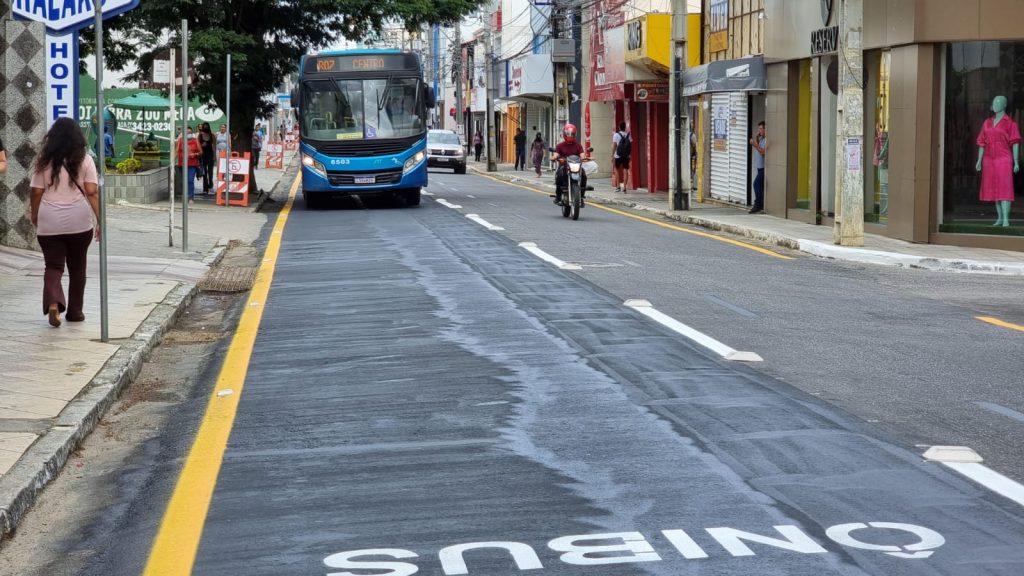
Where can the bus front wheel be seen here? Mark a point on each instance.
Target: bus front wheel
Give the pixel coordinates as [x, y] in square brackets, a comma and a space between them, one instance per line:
[412, 197]
[313, 202]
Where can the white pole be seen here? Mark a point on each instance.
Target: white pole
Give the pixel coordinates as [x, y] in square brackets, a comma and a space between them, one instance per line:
[227, 153]
[101, 171]
[184, 133]
[173, 149]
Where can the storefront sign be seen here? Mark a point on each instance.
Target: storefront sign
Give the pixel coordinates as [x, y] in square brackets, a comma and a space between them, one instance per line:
[648, 42]
[634, 35]
[718, 22]
[530, 75]
[720, 129]
[63, 21]
[825, 40]
[61, 73]
[650, 91]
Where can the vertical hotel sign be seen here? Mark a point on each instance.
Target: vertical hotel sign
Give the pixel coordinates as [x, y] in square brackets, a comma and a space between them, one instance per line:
[63, 20]
[718, 22]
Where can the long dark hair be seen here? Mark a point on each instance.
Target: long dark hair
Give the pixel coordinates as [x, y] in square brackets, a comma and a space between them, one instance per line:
[63, 147]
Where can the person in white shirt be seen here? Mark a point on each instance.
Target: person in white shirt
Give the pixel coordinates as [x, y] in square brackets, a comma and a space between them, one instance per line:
[622, 154]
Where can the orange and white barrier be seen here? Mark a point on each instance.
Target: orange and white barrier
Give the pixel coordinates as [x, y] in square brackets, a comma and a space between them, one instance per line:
[235, 192]
[274, 153]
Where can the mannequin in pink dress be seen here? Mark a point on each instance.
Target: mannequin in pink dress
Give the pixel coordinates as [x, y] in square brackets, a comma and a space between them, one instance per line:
[998, 159]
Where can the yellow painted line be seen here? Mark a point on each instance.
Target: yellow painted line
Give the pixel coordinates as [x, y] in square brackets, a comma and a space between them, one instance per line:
[177, 541]
[764, 251]
[1001, 323]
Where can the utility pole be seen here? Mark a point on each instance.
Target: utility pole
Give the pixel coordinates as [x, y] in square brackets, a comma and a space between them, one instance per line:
[492, 166]
[849, 223]
[679, 143]
[457, 64]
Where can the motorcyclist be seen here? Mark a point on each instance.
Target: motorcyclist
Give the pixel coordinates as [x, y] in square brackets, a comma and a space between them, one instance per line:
[569, 146]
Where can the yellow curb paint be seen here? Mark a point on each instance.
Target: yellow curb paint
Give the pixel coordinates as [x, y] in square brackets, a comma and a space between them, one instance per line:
[656, 223]
[177, 541]
[1001, 323]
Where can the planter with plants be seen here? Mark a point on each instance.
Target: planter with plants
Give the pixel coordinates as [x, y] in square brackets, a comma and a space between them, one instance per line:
[131, 182]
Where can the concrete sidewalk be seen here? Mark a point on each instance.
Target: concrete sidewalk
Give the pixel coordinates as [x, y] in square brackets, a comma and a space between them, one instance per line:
[815, 240]
[58, 382]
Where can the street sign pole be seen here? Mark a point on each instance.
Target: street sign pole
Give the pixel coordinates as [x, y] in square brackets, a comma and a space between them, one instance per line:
[184, 134]
[101, 171]
[170, 212]
[227, 153]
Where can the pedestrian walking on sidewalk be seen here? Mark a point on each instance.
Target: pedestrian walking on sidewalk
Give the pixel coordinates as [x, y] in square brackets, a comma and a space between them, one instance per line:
[194, 153]
[478, 145]
[207, 144]
[65, 200]
[537, 152]
[759, 143]
[257, 145]
[622, 144]
[520, 140]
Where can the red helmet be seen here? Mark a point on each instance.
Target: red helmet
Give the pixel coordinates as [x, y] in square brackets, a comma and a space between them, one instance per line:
[569, 133]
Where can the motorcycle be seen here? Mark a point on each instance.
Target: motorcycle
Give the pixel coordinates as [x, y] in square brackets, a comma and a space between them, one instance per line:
[572, 199]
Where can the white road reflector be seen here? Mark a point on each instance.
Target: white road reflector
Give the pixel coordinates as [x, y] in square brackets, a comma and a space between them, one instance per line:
[444, 202]
[225, 392]
[968, 462]
[644, 307]
[961, 454]
[531, 247]
[476, 218]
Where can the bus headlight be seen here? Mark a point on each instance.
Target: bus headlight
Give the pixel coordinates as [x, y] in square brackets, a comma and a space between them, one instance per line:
[314, 165]
[413, 161]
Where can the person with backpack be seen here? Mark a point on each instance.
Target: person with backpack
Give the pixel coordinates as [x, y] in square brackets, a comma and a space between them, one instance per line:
[622, 142]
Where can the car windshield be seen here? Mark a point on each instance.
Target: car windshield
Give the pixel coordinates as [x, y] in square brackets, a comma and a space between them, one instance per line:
[442, 138]
[358, 109]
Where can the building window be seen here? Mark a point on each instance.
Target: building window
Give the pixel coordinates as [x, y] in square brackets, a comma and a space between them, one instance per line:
[980, 77]
[876, 197]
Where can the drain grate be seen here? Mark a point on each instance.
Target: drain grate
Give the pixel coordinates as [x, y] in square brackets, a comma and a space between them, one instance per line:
[192, 336]
[229, 279]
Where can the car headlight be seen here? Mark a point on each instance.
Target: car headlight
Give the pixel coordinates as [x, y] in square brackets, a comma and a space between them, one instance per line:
[314, 165]
[574, 167]
[413, 161]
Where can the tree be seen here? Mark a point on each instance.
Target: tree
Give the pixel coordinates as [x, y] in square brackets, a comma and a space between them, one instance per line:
[265, 38]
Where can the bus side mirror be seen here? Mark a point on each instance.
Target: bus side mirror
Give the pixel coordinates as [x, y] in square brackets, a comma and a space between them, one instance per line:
[295, 97]
[431, 98]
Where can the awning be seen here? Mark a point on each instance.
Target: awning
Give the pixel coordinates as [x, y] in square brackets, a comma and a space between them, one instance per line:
[742, 75]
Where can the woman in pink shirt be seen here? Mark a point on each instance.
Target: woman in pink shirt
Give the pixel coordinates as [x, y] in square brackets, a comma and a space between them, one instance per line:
[64, 200]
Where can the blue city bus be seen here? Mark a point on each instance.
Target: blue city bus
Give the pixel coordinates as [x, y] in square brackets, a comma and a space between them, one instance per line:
[362, 124]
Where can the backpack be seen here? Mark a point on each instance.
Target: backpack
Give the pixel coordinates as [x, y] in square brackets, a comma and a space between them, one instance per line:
[625, 147]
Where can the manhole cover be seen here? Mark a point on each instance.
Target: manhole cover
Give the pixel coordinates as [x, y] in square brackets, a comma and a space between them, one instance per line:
[192, 336]
[229, 279]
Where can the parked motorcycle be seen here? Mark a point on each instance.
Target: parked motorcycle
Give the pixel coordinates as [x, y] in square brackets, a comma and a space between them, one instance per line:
[576, 167]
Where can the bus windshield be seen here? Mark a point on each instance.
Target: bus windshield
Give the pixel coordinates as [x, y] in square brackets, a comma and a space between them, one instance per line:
[358, 109]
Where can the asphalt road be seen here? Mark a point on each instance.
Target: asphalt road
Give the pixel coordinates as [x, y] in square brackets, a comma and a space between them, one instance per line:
[427, 397]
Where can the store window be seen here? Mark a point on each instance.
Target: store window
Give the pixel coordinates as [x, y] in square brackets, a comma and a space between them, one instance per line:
[983, 109]
[876, 196]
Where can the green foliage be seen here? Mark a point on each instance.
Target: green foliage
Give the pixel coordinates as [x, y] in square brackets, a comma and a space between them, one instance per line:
[264, 37]
[129, 166]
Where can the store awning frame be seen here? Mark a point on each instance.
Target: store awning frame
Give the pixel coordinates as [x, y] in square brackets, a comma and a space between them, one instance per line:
[741, 75]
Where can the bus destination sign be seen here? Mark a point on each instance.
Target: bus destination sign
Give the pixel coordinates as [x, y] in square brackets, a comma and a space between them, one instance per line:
[361, 63]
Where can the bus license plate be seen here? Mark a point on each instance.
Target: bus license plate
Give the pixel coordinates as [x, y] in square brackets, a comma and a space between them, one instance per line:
[366, 179]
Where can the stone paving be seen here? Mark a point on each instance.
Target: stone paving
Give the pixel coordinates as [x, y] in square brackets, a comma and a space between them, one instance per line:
[53, 379]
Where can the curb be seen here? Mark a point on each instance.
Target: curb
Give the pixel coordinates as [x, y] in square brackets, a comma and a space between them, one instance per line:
[43, 461]
[811, 247]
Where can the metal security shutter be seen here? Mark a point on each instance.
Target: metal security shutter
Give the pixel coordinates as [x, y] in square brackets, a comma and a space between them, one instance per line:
[739, 148]
[721, 146]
